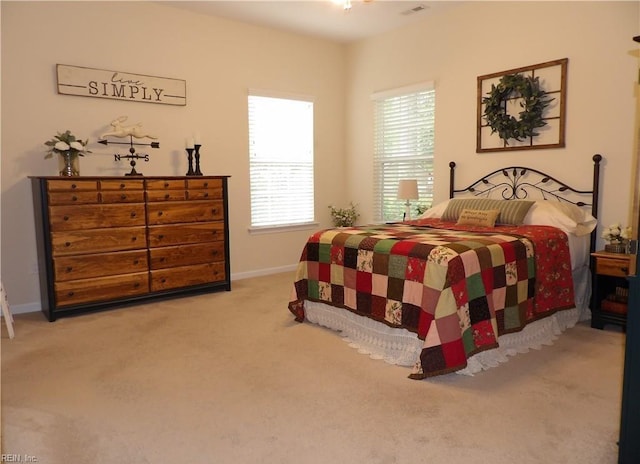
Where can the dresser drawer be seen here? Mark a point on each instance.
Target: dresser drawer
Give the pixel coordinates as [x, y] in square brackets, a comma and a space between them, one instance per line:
[204, 194]
[113, 196]
[185, 233]
[612, 267]
[165, 184]
[166, 195]
[120, 185]
[95, 216]
[73, 198]
[74, 185]
[101, 289]
[97, 240]
[99, 265]
[204, 183]
[185, 211]
[186, 276]
[184, 255]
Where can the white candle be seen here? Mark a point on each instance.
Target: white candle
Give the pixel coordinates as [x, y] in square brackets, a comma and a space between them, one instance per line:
[196, 138]
[189, 142]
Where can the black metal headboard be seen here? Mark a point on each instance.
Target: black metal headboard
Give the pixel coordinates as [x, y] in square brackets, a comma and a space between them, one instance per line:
[519, 182]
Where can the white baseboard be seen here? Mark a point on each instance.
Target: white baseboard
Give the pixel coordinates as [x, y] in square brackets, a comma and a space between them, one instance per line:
[35, 307]
[25, 308]
[263, 272]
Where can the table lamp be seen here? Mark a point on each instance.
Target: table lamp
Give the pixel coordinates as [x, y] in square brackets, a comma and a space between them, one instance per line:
[408, 190]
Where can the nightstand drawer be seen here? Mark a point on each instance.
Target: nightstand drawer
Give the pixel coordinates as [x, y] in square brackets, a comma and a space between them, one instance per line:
[612, 267]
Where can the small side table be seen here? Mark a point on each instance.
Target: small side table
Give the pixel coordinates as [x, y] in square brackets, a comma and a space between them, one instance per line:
[610, 289]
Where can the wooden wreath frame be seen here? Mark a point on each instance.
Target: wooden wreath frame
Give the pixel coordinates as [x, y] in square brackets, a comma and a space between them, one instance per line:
[550, 76]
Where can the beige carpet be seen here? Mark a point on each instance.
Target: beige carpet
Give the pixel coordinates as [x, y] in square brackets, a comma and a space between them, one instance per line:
[231, 378]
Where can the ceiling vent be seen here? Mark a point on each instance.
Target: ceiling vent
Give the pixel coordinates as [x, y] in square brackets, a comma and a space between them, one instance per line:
[415, 9]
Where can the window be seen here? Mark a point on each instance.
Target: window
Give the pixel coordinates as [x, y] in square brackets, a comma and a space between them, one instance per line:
[403, 147]
[280, 161]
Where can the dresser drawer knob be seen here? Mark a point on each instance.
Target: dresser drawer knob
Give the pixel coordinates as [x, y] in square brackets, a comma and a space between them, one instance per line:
[214, 252]
[214, 210]
[123, 197]
[167, 196]
[625, 270]
[70, 293]
[74, 198]
[122, 186]
[74, 186]
[162, 259]
[160, 237]
[133, 214]
[206, 194]
[67, 244]
[136, 285]
[69, 269]
[66, 218]
[206, 184]
[159, 213]
[163, 280]
[133, 239]
[166, 184]
[136, 262]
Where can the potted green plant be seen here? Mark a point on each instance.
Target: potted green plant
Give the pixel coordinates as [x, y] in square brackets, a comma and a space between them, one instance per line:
[344, 217]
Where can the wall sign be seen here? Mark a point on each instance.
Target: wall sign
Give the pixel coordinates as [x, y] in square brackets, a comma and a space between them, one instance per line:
[118, 85]
[552, 78]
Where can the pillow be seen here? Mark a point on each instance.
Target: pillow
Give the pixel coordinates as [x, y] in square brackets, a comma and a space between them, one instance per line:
[511, 211]
[567, 217]
[478, 217]
[435, 211]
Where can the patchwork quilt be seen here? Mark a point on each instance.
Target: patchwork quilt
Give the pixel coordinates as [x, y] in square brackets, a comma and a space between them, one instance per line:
[457, 287]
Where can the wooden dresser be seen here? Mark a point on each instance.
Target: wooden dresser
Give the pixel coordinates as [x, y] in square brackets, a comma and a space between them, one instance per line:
[111, 241]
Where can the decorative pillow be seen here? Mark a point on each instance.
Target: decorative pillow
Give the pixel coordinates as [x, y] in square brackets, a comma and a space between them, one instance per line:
[478, 217]
[511, 211]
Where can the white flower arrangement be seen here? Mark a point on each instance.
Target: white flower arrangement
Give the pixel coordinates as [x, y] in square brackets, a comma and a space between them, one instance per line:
[615, 233]
[65, 142]
[344, 217]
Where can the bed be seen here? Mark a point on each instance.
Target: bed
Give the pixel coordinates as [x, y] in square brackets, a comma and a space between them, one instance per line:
[499, 268]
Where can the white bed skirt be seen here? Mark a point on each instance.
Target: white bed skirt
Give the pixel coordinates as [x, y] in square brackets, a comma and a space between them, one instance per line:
[402, 347]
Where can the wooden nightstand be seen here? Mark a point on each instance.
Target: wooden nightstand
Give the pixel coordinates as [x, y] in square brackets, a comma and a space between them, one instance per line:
[610, 290]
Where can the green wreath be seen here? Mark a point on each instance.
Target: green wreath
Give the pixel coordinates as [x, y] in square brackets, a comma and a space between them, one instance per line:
[534, 101]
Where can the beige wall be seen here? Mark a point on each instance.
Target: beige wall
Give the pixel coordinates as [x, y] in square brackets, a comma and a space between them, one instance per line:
[221, 59]
[480, 38]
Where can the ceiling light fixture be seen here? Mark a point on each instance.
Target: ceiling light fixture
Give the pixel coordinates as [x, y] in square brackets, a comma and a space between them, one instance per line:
[346, 4]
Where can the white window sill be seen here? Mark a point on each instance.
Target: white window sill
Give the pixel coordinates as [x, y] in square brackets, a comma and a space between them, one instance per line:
[284, 228]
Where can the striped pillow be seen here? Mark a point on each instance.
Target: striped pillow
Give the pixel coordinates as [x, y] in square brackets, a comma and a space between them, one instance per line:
[512, 212]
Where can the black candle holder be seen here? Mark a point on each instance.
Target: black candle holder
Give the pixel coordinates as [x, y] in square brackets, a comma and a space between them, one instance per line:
[197, 150]
[190, 157]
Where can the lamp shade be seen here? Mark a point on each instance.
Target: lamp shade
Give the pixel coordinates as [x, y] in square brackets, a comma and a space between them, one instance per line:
[408, 189]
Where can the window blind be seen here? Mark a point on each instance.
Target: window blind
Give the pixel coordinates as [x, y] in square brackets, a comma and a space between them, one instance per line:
[404, 127]
[280, 161]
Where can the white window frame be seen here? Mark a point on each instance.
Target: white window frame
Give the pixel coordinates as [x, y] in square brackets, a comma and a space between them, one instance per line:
[400, 149]
[297, 192]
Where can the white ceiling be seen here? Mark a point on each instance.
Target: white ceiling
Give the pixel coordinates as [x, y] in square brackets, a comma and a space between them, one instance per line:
[321, 18]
